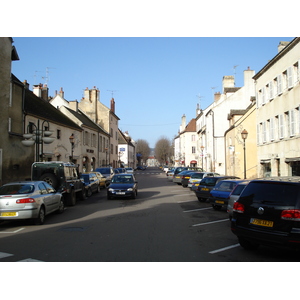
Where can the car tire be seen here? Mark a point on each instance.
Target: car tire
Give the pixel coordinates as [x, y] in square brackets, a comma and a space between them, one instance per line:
[71, 198]
[247, 245]
[82, 195]
[216, 207]
[89, 192]
[51, 179]
[201, 199]
[41, 217]
[61, 207]
[134, 195]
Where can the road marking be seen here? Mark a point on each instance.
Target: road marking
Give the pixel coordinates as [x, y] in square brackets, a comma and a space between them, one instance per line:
[191, 210]
[224, 249]
[3, 254]
[207, 223]
[29, 260]
[13, 231]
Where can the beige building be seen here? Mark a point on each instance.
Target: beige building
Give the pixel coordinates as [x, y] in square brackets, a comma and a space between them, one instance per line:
[105, 117]
[278, 113]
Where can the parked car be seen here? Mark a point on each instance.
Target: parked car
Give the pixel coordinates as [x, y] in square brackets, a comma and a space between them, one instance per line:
[29, 200]
[178, 177]
[142, 168]
[186, 177]
[196, 177]
[121, 170]
[165, 169]
[220, 194]
[129, 170]
[102, 179]
[122, 185]
[117, 171]
[63, 177]
[207, 184]
[268, 213]
[107, 172]
[91, 182]
[170, 174]
[235, 194]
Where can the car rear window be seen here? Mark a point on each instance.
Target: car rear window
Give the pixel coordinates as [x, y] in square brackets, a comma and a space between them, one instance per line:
[16, 189]
[271, 193]
[239, 188]
[225, 186]
[210, 181]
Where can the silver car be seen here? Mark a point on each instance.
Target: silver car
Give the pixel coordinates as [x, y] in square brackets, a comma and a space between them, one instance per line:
[29, 200]
[234, 196]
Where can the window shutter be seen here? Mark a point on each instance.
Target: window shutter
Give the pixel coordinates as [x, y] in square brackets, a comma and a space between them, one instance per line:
[281, 132]
[292, 123]
[272, 129]
[290, 77]
[279, 85]
[271, 95]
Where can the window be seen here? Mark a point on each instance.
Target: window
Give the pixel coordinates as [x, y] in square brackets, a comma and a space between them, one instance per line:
[279, 84]
[271, 91]
[271, 127]
[280, 127]
[193, 149]
[193, 137]
[290, 80]
[264, 132]
[58, 134]
[291, 122]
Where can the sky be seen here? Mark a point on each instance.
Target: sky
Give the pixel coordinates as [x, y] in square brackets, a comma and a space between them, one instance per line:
[154, 80]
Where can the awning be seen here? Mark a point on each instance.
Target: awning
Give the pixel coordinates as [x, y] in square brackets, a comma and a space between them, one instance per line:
[265, 161]
[193, 162]
[287, 160]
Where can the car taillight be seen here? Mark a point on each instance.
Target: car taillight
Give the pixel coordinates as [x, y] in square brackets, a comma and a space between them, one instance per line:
[291, 214]
[238, 207]
[25, 200]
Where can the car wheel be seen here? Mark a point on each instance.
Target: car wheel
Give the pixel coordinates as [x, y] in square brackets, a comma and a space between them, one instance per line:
[134, 195]
[201, 199]
[247, 245]
[61, 207]
[50, 179]
[89, 192]
[41, 217]
[217, 207]
[82, 195]
[71, 198]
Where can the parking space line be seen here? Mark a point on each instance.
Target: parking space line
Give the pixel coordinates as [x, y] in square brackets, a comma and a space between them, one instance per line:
[207, 223]
[3, 254]
[223, 249]
[12, 231]
[191, 210]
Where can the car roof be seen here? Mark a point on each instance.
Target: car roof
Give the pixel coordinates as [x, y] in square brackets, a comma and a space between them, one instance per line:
[295, 179]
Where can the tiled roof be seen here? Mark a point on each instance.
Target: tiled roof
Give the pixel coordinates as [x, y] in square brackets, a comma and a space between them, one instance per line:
[191, 127]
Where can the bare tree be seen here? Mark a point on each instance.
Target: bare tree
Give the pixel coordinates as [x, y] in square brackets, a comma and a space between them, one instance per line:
[142, 151]
[163, 150]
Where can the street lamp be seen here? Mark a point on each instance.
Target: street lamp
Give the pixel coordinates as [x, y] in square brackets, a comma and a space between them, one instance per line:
[202, 148]
[72, 139]
[39, 136]
[244, 135]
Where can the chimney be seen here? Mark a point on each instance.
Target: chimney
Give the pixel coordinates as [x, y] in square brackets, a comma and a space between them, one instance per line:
[61, 93]
[183, 123]
[112, 105]
[217, 96]
[198, 110]
[228, 82]
[86, 94]
[282, 45]
[37, 90]
[26, 84]
[45, 91]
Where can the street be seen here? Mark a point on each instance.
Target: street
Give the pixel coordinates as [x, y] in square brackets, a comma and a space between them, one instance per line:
[166, 223]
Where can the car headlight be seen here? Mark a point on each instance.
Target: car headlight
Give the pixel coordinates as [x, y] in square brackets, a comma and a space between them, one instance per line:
[130, 189]
[111, 190]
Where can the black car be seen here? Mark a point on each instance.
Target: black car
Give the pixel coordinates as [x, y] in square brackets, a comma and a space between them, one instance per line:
[122, 185]
[268, 213]
[207, 184]
[91, 182]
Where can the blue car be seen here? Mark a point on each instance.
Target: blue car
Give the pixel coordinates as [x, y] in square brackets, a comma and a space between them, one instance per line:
[122, 186]
[220, 194]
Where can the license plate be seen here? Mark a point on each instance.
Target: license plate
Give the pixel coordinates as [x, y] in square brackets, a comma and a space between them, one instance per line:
[197, 184]
[9, 214]
[120, 193]
[205, 189]
[260, 222]
[177, 176]
[220, 202]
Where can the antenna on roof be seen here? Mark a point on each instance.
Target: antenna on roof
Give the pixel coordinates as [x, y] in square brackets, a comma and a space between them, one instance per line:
[47, 75]
[34, 77]
[199, 100]
[234, 71]
[213, 90]
[112, 92]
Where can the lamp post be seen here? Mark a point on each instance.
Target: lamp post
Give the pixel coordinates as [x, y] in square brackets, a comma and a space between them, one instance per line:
[244, 135]
[72, 139]
[39, 136]
[202, 148]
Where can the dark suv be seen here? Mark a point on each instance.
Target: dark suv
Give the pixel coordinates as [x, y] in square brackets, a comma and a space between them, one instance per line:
[64, 177]
[268, 213]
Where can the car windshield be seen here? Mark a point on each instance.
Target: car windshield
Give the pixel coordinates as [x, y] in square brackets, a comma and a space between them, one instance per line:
[103, 170]
[197, 175]
[122, 179]
[15, 189]
[86, 178]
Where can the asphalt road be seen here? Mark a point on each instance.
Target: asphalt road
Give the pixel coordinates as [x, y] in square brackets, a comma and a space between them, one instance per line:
[166, 223]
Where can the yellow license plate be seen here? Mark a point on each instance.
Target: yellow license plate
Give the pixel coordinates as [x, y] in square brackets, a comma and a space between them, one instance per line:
[8, 214]
[197, 184]
[205, 189]
[260, 222]
[177, 176]
[220, 202]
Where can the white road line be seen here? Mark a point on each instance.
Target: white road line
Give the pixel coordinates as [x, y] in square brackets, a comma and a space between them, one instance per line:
[207, 223]
[29, 260]
[224, 249]
[13, 231]
[3, 254]
[191, 210]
